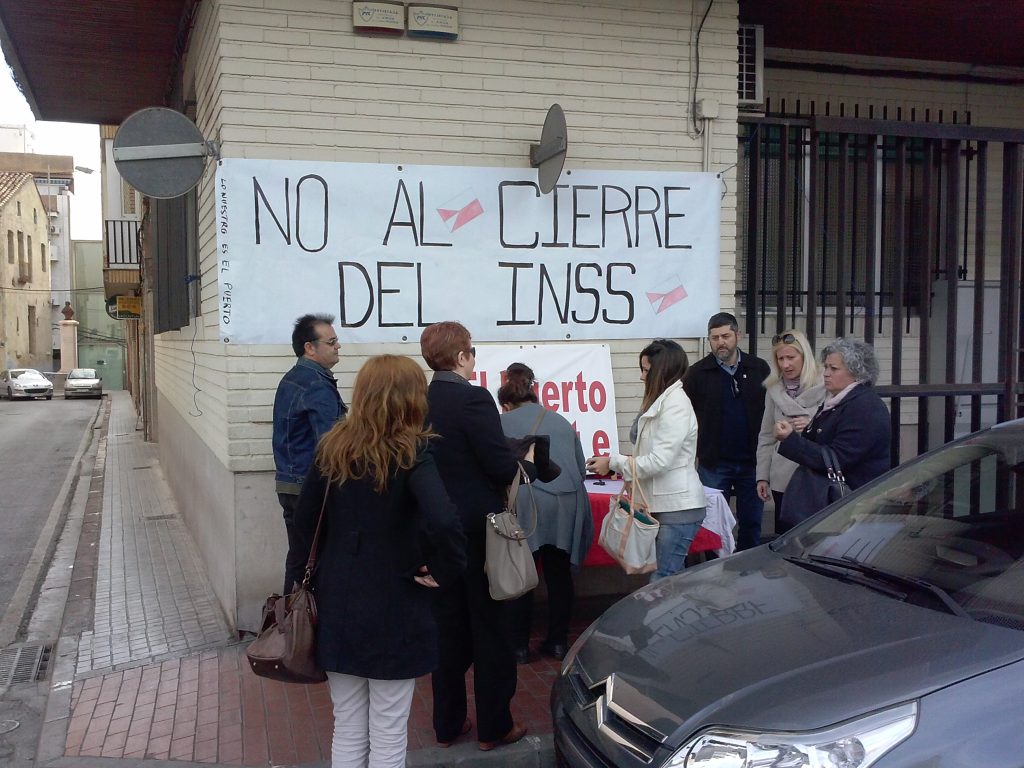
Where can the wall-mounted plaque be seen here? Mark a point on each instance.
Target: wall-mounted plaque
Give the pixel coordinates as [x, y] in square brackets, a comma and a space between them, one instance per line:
[437, 21]
[380, 17]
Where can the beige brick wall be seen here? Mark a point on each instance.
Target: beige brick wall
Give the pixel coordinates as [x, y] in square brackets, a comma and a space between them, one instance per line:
[288, 79]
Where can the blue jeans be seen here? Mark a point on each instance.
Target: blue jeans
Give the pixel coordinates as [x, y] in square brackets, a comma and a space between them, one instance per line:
[738, 478]
[672, 544]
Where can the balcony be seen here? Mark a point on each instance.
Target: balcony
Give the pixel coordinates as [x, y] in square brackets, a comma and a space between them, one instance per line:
[121, 243]
[120, 257]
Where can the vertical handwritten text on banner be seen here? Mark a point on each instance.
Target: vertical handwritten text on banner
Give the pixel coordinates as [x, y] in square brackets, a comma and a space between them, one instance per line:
[573, 380]
[390, 249]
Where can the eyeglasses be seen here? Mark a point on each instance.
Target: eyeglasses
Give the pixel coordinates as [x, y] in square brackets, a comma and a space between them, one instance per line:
[331, 341]
[785, 338]
[471, 351]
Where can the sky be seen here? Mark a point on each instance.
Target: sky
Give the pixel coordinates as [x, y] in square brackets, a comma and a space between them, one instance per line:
[80, 140]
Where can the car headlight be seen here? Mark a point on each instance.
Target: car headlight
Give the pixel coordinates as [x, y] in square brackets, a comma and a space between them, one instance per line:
[18, 385]
[854, 744]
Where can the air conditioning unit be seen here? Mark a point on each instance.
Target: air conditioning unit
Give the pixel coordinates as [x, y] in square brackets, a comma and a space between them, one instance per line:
[55, 229]
[751, 70]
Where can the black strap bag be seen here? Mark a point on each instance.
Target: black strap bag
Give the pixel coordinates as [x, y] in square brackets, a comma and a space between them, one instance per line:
[810, 491]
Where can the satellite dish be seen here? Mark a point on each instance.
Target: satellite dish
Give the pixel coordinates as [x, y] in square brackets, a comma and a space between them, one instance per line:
[548, 157]
[160, 152]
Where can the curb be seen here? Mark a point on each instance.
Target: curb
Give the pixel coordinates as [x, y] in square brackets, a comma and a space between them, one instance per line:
[530, 752]
[53, 733]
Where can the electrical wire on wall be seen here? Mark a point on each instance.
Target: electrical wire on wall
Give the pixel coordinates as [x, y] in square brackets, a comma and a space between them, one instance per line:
[195, 307]
[189, 279]
[698, 130]
[722, 171]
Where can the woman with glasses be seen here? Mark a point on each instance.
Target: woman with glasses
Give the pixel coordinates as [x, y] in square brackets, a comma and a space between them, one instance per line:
[476, 465]
[852, 421]
[564, 527]
[665, 455]
[793, 392]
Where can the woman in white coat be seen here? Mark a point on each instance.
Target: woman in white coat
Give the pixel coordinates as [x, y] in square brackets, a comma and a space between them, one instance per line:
[793, 392]
[666, 454]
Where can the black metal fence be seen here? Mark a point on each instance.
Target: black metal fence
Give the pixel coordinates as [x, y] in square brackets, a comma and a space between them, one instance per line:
[888, 230]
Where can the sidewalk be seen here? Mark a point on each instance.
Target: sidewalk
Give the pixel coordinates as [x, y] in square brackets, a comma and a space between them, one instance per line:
[154, 673]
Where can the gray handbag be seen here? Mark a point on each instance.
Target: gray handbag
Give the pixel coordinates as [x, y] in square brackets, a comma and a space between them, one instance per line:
[511, 571]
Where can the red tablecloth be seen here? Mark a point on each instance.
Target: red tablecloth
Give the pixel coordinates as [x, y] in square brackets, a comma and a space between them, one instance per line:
[704, 541]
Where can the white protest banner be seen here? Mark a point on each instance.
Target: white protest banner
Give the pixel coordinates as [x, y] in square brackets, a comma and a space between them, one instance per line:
[391, 249]
[574, 380]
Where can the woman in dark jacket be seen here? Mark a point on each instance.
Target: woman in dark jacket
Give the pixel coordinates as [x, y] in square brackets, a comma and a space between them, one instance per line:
[476, 465]
[564, 527]
[390, 534]
[853, 421]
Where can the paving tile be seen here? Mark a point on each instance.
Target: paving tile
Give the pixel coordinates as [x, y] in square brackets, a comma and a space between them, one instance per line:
[119, 725]
[159, 747]
[229, 751]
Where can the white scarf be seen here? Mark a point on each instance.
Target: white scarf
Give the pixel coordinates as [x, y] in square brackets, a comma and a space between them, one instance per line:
[833, 400]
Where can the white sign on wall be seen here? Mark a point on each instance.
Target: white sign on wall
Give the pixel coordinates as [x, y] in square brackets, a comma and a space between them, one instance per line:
[391, 249]
[574, 380]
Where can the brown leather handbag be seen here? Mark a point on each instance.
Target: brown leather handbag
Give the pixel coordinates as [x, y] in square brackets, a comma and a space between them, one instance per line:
[285, 649]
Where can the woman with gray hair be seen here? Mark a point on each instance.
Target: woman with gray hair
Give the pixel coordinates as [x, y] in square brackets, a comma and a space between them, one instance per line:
[853, 421]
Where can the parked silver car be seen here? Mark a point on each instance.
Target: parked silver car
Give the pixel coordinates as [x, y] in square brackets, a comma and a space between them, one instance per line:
[25, 383]
[83, 382]
[886, 631]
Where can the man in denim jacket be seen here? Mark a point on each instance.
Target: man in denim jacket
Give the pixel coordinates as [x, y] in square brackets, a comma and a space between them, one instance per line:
[306, 406]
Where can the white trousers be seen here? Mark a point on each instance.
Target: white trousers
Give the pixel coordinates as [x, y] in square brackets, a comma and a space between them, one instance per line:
[371, 721]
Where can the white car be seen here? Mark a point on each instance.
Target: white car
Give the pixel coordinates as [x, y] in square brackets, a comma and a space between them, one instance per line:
[83, 382]
[25, 382]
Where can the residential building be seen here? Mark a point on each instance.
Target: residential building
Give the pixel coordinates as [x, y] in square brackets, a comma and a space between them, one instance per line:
[24, 274]
[867, 169]
[54, 176]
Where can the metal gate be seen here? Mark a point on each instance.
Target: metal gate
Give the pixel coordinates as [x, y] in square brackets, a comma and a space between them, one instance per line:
[906, 234]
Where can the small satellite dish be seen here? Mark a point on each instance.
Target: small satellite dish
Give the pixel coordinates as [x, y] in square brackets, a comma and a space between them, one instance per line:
[548, 157]
[160, 152]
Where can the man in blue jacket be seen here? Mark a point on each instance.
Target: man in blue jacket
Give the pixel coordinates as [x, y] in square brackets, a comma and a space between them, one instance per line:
[306, 406]
[727, 393]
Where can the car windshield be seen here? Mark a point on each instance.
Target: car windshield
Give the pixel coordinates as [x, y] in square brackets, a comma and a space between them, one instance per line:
[31, 373]
[953, 520]
[82, 373]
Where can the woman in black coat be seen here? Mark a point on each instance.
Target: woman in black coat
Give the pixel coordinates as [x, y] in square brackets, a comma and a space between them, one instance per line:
[476, 465]
[853, 421]
[390, 535]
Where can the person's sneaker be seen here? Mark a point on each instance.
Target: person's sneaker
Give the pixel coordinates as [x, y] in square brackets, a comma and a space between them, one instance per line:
[517, 732]
[466, 726]
[554, 650]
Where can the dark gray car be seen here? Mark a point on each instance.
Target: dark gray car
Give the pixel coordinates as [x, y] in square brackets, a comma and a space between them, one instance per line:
[886, 631]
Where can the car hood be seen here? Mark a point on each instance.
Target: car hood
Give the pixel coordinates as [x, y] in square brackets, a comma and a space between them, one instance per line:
[30, 380]
[84, 382]
[755, 641]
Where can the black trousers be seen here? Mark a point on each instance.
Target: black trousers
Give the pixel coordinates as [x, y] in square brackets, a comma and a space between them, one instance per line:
[558, 580]
[293, 563]
[780, 527]
[472, 631]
